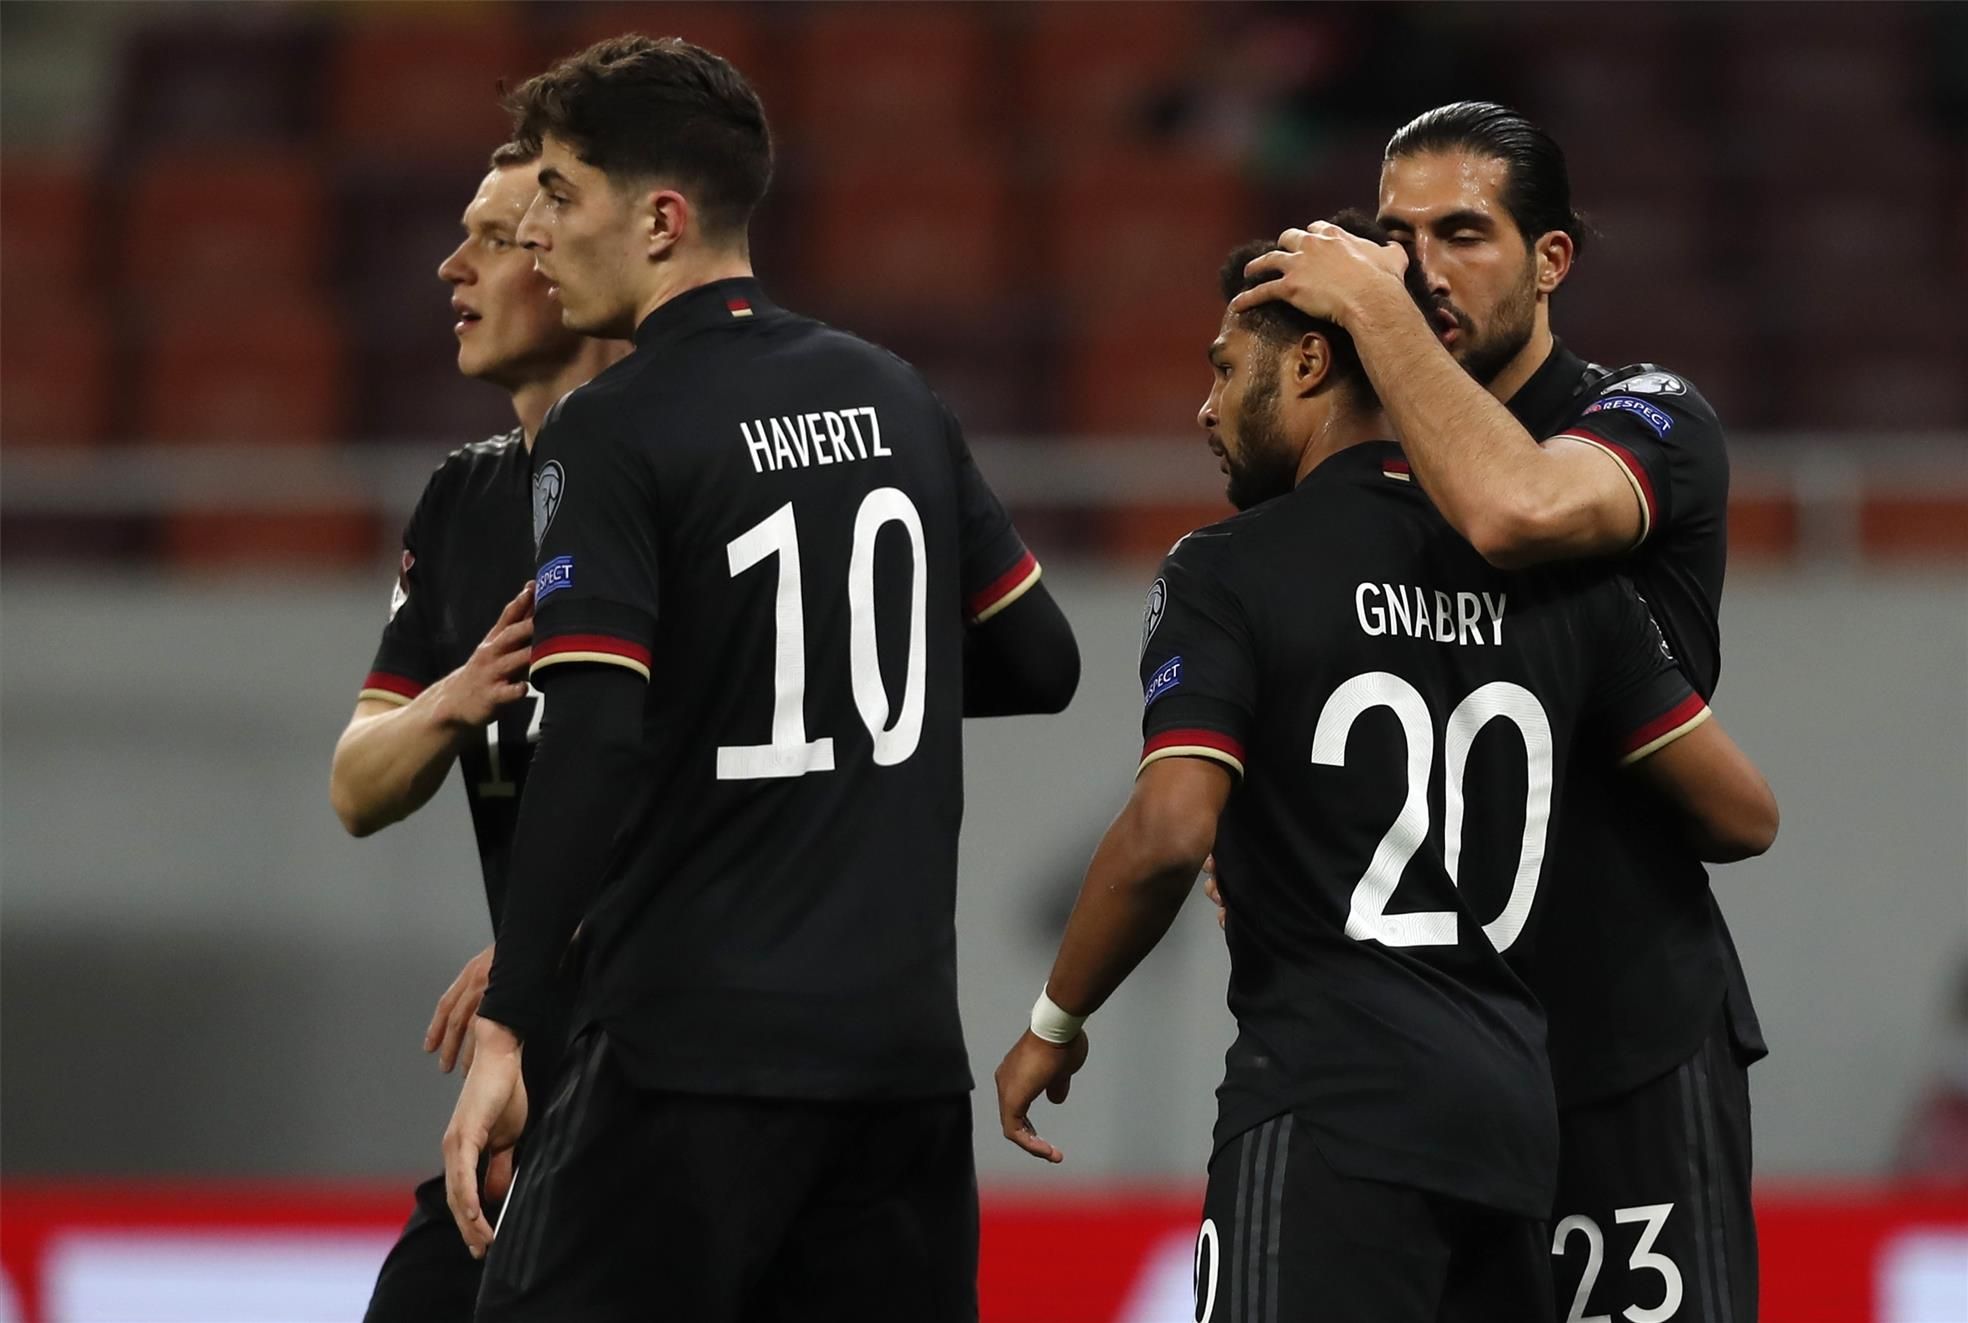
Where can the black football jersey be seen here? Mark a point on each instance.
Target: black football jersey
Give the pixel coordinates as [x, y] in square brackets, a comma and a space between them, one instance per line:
[1403, 718]
[1632, 964]
[467, 551]
[781, 528]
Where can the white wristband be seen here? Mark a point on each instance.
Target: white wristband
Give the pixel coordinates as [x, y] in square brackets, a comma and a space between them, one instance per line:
[1053, 1024]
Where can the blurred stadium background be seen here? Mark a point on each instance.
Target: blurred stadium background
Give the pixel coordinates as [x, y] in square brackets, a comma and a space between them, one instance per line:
[225, 369]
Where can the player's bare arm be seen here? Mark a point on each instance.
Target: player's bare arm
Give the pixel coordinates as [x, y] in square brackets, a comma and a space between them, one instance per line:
[1140, 876]
[393, 755]
[1726, 805]
[1519, 501]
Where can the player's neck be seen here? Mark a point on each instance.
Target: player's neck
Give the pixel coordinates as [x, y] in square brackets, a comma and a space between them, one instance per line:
[1529, 359]
[1342, 430]
[532, 400]
[680, 275]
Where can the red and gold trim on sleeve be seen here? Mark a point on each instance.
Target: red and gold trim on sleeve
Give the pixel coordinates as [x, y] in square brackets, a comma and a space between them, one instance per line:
[1002, 591]
[1635, 471]
[1194, 743]
[1663, 730]
[591, 648]
[397, 689]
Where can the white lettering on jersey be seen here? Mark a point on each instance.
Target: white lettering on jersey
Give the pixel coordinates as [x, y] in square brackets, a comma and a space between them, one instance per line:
[802, 440]
[1429, 613]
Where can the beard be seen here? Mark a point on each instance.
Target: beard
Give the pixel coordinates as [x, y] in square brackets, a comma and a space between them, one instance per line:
[1262, 464]
[1509, 331]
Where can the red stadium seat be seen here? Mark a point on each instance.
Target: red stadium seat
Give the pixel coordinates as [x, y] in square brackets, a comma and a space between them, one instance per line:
[48, 221]
[1137, 367]
[197, 225]
[916, 238]
[728, 30]
[249, 374]
[425, 82]
[1089, 71]
[1129, 224]
[260, 540]
[897, 74]
[54, 372]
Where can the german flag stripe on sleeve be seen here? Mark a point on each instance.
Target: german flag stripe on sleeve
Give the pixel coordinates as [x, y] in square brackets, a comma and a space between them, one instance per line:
[591, 648]
[1636, 475]
[1195, 743]
[1002, 591]
[396, 689]
[1663, 730]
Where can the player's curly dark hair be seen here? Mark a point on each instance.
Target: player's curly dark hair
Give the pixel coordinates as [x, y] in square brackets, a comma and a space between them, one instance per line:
[1538, 193]
[1277, 323]
[638, 107]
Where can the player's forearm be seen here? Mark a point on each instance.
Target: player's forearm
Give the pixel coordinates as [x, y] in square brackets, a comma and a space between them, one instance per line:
[579, 791]
[1485, 473]
[1141, 874]
[388, 764]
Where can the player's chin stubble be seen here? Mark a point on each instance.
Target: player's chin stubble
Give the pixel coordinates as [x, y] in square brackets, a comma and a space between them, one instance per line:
[1510, 330]
[1261, 464]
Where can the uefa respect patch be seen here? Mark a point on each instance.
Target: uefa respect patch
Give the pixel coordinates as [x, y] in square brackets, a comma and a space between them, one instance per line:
[1658, 419]
[555, 575]
[1163, 680]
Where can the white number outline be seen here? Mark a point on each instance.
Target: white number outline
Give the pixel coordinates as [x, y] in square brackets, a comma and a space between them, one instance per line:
[496, 786]
[1643, 1259]
[1207, 1298]
[1595, 1261]
[893, 744]
[1367, 918]
[1655, 1216]
[790, 753]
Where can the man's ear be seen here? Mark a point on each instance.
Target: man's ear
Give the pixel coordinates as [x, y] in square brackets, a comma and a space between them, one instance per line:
[1553, 254]
[666, 217]
[1311, 363]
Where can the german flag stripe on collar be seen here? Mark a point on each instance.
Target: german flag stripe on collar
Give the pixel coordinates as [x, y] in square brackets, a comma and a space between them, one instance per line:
[591, 648]
[1002, 591]
[1194, 743]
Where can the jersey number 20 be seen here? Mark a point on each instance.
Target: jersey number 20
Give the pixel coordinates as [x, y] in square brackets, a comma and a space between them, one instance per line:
[790, 753]
[1368, 919]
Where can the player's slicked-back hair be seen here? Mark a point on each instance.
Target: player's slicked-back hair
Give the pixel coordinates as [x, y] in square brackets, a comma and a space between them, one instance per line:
[1277, 323]
[1538, 188]
[516, 152]
[637, 107]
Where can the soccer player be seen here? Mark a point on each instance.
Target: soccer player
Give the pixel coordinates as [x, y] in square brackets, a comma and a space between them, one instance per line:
[1370, 725]
[1538, 456]
[771, 584]
[448, 682]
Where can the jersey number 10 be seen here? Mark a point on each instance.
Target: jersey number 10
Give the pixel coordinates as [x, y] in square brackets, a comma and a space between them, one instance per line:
[1368, 919]
[790, 753]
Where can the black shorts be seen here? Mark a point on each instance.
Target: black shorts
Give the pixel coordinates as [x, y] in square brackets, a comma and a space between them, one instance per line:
[633, 1205]
[1286, 1239]
[1653, 1213]
[428, 1276]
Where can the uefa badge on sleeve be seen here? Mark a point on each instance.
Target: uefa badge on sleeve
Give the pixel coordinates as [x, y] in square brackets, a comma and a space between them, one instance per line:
[547, 486]
[1151, 615]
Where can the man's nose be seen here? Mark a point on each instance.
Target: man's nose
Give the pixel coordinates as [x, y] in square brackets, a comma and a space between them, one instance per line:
[1433, 278]
[453, 270]
[532, 235]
